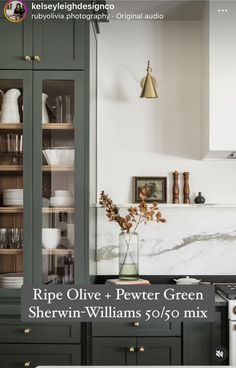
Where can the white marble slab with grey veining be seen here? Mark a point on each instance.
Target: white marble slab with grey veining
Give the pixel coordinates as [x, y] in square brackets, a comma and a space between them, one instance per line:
[199, 241]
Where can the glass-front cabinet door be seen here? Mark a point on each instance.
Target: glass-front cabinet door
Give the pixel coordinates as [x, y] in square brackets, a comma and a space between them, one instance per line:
[58, 201]
[15, 179]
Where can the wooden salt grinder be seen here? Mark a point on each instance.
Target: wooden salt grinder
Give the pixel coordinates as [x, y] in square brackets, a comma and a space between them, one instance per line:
[186, 190]
[176, 187]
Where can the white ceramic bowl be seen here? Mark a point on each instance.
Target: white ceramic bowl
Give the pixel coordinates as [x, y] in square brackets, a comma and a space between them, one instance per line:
[58, 156]
[61, 201]
[63, 193]
[51, 237]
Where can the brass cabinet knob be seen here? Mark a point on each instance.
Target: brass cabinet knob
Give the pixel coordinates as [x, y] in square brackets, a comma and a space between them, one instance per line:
[37, 58]
[136, 324]
[27, 331]
[27, 364]
[131, 349]
[28, 58]
[141, 349]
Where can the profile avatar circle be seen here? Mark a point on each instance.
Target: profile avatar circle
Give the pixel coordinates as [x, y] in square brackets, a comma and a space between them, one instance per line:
[15, 11]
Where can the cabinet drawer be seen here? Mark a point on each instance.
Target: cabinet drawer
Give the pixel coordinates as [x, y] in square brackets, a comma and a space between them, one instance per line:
[13, 330]
[136, 329]
[20, 355]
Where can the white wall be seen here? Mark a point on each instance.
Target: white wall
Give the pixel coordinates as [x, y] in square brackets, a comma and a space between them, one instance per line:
[154, 137]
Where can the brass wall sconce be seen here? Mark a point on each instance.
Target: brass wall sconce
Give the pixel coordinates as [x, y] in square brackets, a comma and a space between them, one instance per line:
[148, 84]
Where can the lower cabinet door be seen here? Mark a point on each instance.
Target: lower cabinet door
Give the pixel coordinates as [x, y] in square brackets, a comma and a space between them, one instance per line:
[33, 355]
[159, 351]
[114, 351]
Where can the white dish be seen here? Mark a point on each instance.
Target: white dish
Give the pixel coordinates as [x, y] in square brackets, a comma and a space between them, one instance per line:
[11, 280]
[63, 193]
[11, 274]
[55, 157]
[12, 287]
[11, 192]
[13, 203]
[61, 201]
[12, 284]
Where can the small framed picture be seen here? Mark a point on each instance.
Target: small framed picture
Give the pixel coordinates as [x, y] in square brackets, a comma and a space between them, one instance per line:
[156, 186]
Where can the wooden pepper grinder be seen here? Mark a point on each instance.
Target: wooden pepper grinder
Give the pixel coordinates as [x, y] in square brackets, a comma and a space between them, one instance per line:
[186, 191]
[176, 187]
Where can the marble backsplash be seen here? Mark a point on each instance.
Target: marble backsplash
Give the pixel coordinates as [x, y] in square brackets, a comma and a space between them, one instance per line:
[194, 240]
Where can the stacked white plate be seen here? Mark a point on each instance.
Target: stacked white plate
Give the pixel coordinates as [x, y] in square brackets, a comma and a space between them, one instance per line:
[11, 280]
[13, 197]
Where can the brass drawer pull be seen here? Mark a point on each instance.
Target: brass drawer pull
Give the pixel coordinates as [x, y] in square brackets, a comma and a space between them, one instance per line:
[131, 349]
[37, 58]
[136, 324]
[28, 58]
[141, 349]
[27, 331]
[27, 364]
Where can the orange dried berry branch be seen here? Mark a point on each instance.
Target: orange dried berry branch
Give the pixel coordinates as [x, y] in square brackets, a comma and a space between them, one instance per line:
[136, 215]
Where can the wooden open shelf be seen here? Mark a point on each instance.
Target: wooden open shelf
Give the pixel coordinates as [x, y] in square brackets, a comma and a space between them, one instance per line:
[58, 209]
[48, 168]
[45, 209]
[11, 210]
[11, 168]
[45, 168]
[53, 126]
[10, 252]
[50, 126]
[57, 252]
[8, 126]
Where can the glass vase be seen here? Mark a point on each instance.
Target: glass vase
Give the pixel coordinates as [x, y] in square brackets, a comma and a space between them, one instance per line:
[128, 256]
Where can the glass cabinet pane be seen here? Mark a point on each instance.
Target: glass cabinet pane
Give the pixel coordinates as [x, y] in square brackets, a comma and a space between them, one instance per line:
[58, 151]
[11, 183]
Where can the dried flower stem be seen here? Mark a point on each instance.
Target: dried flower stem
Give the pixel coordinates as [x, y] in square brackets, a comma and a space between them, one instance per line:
[136, 215]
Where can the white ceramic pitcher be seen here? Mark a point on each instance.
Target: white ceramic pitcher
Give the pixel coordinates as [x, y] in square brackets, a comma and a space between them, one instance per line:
[10, 109]
[45, 117]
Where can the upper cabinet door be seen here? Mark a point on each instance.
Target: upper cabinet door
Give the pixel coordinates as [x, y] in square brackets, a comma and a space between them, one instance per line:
[16, 42]
[58, 45]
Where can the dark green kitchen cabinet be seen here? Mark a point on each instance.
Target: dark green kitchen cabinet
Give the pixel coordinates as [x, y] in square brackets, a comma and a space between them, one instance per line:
[114, 351]
[58, 45]
[201, 339]
[38, 44]
[60, 74]
[12, 330]
[136, 351]
[158, 351]
[50, 177]
[156, 328]
[30, 170]
[16, 42]
[21, 355]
